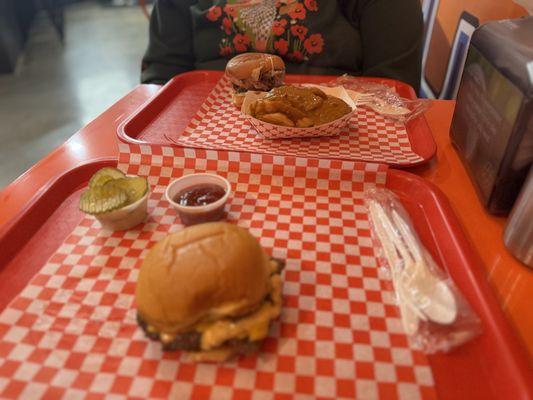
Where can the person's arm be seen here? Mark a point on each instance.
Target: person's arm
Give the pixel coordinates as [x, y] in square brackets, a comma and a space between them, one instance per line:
[170, 49]
[391, 34]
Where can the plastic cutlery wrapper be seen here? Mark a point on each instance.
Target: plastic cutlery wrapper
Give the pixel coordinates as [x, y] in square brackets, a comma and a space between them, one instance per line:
[434, 313]
[381, 98]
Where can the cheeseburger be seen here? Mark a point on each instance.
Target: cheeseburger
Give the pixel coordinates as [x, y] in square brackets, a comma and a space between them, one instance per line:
[210, 290]
[254, 71]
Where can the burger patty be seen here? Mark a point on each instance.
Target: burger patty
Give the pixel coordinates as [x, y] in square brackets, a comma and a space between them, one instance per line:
[239, 89]
[266, 82]
[273, 80]
[191, 341]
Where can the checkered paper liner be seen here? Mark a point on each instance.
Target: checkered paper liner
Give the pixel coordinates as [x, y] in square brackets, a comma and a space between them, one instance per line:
[72, 333]
[218, 124]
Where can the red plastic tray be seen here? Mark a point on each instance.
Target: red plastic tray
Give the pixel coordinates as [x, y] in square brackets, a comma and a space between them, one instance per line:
[186, 92]
[493, 366]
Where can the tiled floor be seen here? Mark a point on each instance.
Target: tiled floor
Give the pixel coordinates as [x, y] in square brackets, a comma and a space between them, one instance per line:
[58, 89]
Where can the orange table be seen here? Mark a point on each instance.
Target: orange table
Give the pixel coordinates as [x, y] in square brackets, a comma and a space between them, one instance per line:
[512, 281]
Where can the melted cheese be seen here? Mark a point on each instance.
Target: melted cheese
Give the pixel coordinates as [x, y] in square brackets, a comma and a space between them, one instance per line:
[254, 326]
[216, 355]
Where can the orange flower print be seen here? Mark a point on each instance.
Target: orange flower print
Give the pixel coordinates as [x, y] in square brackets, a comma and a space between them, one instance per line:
[230, 10]
[214, 13]
[241, 42]
[226, 51]
[278, 27]
[314, 43]
[296, 56]
[311, 5]
[298, 12]
[299, 31]
[226, 24]
[281, 46]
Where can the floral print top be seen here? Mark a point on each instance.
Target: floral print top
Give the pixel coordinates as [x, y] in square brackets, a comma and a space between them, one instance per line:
[376, 38]
[273, 26]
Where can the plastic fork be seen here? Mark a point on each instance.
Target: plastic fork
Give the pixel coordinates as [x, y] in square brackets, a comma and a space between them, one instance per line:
[377, 104]
[361, 98]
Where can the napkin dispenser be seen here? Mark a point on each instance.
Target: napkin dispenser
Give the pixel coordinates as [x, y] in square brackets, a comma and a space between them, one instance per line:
[492, 126]
[518, 235]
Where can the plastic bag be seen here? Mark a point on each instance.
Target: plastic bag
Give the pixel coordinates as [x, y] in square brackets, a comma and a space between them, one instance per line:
[434, 314]
[382, 99]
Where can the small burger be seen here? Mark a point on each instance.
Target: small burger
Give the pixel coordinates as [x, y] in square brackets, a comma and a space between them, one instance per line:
[254, 71]
[209, 290]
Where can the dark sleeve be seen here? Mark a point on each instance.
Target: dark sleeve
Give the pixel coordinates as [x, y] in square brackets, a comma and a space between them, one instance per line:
[170, 49]
[391, 34]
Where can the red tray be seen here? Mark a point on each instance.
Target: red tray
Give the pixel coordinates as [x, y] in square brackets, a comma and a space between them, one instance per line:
[491, 367]
[185, 94]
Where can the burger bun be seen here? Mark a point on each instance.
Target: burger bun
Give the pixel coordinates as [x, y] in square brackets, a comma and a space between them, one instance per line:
[255, 71]
[204, 272]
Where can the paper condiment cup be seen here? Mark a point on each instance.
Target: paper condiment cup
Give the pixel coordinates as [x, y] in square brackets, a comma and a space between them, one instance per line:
[126, 217]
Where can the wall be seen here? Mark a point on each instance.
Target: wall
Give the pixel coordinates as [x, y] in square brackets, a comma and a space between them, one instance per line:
[448, 15]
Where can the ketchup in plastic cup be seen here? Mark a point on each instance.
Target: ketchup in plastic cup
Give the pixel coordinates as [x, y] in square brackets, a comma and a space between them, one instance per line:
[199, 198]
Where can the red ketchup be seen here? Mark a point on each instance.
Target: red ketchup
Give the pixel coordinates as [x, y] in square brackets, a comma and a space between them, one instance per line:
[198, 196]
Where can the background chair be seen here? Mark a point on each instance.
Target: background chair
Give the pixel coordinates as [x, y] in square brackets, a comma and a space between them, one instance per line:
[55, 9]
[144, 8]
[466, 26]
[429, 12]
[465, 29]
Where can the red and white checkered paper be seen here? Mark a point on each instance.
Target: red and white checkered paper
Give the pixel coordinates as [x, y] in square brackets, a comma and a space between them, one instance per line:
[218, 124]
[72, 333]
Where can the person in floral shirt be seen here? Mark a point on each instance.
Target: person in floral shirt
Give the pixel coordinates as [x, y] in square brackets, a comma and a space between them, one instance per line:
[359, 37]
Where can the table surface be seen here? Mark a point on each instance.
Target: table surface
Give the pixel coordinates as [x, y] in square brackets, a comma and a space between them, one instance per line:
[511, 280]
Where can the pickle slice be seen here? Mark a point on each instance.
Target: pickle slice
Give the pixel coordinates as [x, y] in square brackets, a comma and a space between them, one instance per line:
[104, 175]
[101, 199]
[135, 187]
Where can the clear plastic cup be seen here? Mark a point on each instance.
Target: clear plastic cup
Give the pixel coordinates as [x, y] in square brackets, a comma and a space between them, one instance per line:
[192, 215]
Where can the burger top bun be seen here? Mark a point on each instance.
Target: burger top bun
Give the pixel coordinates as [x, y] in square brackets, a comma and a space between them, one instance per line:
[244, 65]
[202, 273]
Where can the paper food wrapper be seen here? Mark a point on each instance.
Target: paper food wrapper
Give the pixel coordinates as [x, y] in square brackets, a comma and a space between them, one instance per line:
[272, 131]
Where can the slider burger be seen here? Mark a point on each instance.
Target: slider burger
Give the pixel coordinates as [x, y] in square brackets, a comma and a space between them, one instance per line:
[254, 71]
[210, 290]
